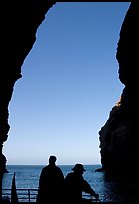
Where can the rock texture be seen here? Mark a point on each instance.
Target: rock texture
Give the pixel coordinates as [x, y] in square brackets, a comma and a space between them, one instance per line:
[119, 135]
[20, 21]
[115, 137]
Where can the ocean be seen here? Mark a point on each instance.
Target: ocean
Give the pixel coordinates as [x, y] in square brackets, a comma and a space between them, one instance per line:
[27, 177]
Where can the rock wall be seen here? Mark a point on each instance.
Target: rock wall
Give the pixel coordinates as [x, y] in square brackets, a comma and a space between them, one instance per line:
[115, 138]
[20, 21]
[119, 135]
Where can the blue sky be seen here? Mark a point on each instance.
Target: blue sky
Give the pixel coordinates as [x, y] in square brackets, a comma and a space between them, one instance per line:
[69, 85]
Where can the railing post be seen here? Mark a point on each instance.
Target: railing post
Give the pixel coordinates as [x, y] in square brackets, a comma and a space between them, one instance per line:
[29, 195]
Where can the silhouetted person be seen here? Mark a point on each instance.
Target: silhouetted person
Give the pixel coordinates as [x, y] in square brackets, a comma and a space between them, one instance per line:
[51, 183]
[75, 185]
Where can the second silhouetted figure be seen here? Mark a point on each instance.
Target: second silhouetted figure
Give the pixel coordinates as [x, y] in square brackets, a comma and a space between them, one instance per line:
[75, 184]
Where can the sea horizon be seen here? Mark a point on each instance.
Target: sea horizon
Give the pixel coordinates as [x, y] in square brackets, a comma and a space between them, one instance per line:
[47, 164]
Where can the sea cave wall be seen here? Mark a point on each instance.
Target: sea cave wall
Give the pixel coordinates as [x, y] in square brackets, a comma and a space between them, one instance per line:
[119, 135]
[20, 22]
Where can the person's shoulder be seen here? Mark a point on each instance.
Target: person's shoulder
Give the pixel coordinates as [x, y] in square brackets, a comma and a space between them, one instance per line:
[44, 168]
[58, 168]
[70, 174]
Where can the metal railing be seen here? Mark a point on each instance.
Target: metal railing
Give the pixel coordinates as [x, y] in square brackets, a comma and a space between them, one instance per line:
[24, 194]
[30, 195]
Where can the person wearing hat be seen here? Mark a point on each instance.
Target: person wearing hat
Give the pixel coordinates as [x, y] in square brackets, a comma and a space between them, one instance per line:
[51, 183]
[75, 184]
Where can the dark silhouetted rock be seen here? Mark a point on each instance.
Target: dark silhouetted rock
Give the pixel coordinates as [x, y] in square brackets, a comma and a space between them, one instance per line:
[3, 161]
[20, 21]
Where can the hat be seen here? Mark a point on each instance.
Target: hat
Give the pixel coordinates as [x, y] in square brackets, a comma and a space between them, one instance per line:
[78, 167]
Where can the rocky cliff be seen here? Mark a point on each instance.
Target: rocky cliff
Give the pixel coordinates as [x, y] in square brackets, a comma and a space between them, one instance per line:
[20, 21]
[119, 135]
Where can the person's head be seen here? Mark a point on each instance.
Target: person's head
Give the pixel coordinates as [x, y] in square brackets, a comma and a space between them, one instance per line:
[52, 159]
[78, 168]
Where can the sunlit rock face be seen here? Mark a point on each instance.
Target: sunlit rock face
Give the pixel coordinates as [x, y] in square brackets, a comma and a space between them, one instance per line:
[20, 21]
[119, 135]
[114, 137]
